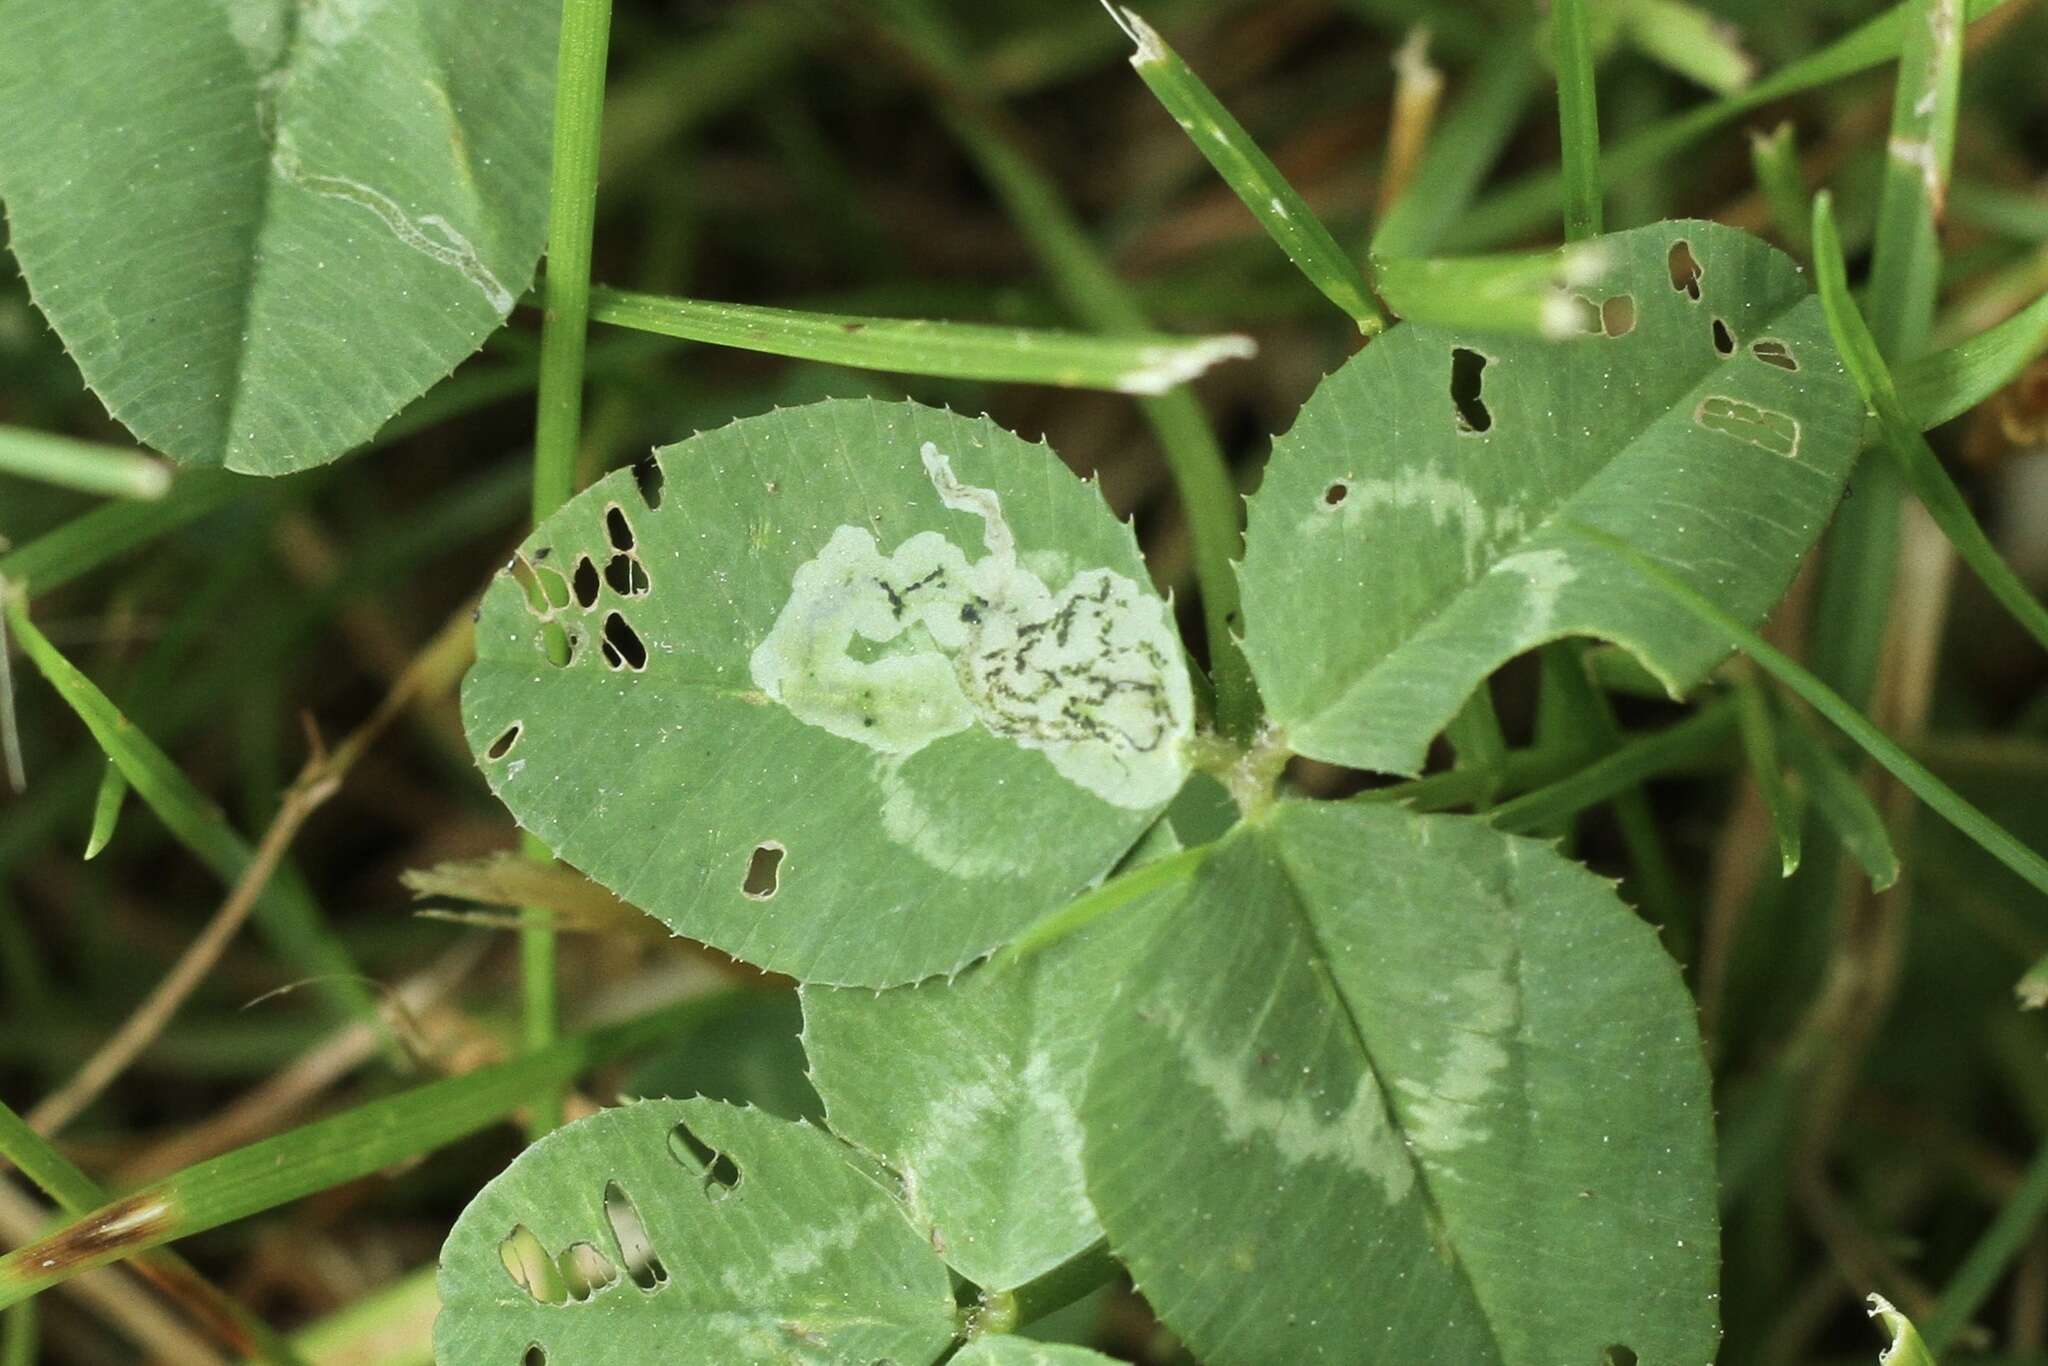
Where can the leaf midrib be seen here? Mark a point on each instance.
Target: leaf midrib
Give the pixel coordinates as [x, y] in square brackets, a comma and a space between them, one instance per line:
[1320, 961]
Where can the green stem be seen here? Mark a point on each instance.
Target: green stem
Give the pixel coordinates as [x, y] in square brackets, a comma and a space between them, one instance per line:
[1578, 119]
[572, 218]
[565, 324]
[1982, 1270]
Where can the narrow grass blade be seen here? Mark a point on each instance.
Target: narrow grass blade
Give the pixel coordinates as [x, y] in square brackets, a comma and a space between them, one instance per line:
[1280, 209]
[322, 1155]
[287, 913]
[1774, 156]
[1905, 264]
[1760, 746]
[1079, 360]
[75, 1193]
[1985, 1267]
[1478, 743]
[1917, 463]
[1691, 41]
[106, 809]
[1111, 895]
[1840, 801]
[1467, 143]
[1621, 770]
[1993, 838]
[1528, 293]
[2018, 214]
[82, 465]
[1522, 207]
[1578, 118]
[1946, 384]
[82, 545]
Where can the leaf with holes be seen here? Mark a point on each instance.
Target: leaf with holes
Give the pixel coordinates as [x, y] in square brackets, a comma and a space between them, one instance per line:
[851, 691]
[969, 1089]
[688, 1232]
[1427, 490]
[1401, 1065]
[262, 227]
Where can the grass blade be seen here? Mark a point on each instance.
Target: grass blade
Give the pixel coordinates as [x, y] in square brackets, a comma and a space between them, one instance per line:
[1280, 209]
[1620, 770]
[1986, 1265]
[1760, 746]
[322, 1155]
[1056, 925]
[1992, 837]
[106, 809]
[1916, 461]
[83, 544]
[1840, 801]
[286, 913]
[1527, 293]
[75, 1193]
[1467, 143]
[1578, 119]
[1132, 365]
[1905, 265]
[1522, 207]
[1691, 41]
[1774, 156]
[1946, 384]
[82, 465]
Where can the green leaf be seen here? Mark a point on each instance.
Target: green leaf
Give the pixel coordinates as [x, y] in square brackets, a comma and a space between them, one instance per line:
[262, 228]
[969, 1089]
[870, 689]
[1128, 364]
[1424, 489]
[1013, 1351]
[617, 1239]
[1386, 1077]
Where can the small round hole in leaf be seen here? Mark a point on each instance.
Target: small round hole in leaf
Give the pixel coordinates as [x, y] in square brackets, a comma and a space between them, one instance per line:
[1685, 269]
[764, 871]
[1336, 493]
[1724, 340]
[502, 746]
[1467, 381]
[1618, 315]
[586, 582]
